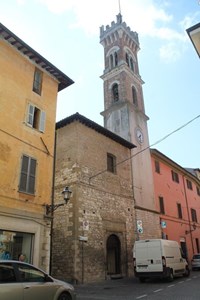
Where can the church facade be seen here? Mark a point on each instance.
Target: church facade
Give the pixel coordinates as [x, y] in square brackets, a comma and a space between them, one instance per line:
[109, 171]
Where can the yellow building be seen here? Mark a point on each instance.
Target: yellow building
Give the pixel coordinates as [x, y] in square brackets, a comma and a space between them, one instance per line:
[28, 95]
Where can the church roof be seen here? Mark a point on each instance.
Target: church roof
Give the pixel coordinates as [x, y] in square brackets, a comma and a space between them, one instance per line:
[100, 129]
[63, 80]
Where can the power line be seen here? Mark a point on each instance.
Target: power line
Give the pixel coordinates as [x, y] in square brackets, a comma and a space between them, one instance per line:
[144, 149]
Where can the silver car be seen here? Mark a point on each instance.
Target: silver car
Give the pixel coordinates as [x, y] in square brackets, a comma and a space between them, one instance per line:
[195, 261]
[22, 281]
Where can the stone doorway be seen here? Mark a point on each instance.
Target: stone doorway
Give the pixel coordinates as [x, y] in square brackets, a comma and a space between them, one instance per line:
[113, 248]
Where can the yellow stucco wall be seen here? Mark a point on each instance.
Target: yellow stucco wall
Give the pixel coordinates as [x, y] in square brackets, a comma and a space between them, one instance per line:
[16, 137]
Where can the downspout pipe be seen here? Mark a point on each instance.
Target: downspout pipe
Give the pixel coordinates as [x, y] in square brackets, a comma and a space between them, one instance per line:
[52, 203]
[186, 200]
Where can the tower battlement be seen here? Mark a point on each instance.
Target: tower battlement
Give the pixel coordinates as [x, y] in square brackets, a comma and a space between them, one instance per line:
[105, 31]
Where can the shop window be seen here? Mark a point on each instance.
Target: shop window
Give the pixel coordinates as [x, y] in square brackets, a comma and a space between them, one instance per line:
[175, 176]
[27, 176]
[179, 209]
[36, 118]
[161, 204]
[12, 244]
[189, 184]
[37, 81]
[115, 92]
[157, 166]
[193, 215]
[111, 163]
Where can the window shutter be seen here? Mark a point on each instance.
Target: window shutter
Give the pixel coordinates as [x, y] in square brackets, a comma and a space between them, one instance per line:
[31, 185]
[30, 116]
[42, 121]
[24, 174]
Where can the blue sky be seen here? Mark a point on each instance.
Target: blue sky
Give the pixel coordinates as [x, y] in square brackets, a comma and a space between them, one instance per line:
[66, 32]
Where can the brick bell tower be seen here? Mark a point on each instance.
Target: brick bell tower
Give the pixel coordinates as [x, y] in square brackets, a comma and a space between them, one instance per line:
[124, 114]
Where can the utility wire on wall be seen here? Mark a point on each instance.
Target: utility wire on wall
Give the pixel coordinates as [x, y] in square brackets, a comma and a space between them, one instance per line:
[158, 142]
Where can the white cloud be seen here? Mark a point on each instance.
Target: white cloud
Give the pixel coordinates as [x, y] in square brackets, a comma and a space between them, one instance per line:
[170, 52]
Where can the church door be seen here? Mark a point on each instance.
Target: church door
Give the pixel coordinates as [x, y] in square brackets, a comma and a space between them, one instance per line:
[113, 255]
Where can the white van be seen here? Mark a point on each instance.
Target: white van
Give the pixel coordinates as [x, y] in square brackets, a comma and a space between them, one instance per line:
[158, 258]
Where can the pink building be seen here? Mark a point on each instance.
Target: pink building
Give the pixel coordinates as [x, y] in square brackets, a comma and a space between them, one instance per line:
[177, 195]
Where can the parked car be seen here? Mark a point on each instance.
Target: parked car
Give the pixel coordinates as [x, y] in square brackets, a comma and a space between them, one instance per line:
[22, 281]
[195, 261]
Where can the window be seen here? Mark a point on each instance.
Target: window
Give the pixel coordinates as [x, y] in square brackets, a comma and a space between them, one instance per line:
[198, 190]
[193, 215]
[131, 64]
[111, 61]
[15, 243]
[189, 184]
[197, 245]
[179, 208]
[134, 96]
[116, 59]
[111, 163]
[36, 118]
[27, 177]
[115, 92]
[157, 166]
[161, 203]
[7, 273]
[175, 176]
[37, 81]
[30, 274]
[127, 59]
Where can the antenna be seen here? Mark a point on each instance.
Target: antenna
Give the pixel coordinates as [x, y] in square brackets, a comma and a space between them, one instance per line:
[119, 7]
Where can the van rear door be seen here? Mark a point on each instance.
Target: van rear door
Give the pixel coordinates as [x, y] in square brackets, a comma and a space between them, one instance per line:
[148, 256]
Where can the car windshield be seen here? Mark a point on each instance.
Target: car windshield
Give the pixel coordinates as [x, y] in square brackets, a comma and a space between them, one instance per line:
[197, 256]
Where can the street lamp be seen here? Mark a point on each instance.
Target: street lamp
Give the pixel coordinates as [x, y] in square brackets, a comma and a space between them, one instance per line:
[66, 196]
[194, 34]
[193, 229]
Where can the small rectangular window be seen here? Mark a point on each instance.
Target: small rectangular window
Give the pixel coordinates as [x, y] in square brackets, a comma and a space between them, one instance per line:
[179, 208]
[162, 207]
[197, 245]
[36, 118]
[193, 215]
[198, 190]
[157, 166]
[111, 163]
[175, 177]
[189, 184]
[27, 176]
[37, 81]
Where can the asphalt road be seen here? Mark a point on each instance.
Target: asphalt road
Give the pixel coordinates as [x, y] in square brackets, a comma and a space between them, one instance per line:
[131, 289]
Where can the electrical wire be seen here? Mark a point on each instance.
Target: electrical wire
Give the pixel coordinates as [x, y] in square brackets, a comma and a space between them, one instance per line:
[146, 148]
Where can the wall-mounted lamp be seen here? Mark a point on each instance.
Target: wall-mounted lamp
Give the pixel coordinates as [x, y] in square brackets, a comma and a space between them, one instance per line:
[66, 196]
[194, 35]
[189, 231]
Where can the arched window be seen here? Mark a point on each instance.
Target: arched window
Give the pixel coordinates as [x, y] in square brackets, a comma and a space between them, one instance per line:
[115, 92]
[134, 96]
[111, 61]
[116, 59]
[131, 64]
[127, 59]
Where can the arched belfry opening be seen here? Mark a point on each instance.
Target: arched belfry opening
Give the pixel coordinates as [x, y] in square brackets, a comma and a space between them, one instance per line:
[113, 251]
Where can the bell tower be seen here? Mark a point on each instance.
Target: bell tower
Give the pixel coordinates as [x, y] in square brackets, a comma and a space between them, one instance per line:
[124, 112]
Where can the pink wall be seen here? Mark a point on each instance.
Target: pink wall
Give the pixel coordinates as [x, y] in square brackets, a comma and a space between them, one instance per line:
[173, 193]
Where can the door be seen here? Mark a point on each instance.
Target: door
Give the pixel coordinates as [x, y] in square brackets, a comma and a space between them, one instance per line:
[113, 255]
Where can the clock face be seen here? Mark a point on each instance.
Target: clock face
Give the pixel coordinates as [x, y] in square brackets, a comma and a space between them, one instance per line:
[139, 135]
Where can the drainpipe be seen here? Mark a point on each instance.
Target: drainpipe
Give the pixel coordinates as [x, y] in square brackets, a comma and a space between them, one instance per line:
[186, 200]
[52, 203]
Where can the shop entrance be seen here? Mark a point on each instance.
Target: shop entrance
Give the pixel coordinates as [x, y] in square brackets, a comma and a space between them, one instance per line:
[113, 255]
